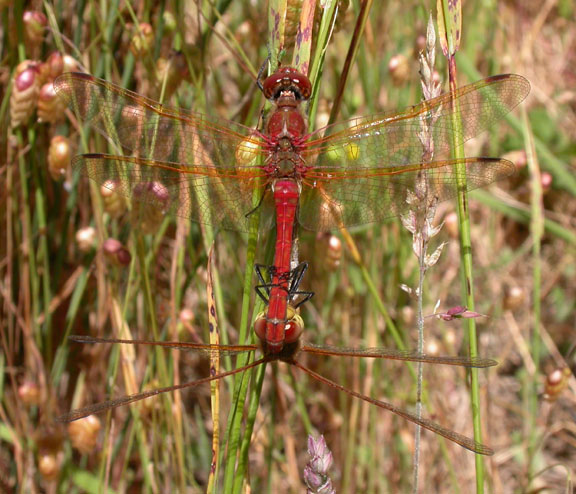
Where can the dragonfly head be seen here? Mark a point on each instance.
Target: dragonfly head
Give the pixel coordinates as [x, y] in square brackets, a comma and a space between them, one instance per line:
[287, 79]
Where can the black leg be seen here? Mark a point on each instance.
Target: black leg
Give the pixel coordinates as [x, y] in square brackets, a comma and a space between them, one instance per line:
[296, 276]
[266, 274]
[305, 297]
[260, 270]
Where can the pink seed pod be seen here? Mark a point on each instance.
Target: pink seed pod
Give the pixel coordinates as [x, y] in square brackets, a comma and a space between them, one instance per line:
[114, 203]
[556, 382]
[52, 67]
[451, 224]
[70, 64]
[186, 316]
[116, 252]
[150, 204]
[142, 40]
[333, 252]
[86, 238]
[35, 23]
[30, 393]
[25, 87]
[328, 251]
[399, 69]
[49, 465]
[514, 298]
[50, 107]
[174, 70]
[546, 181]
[48, 441]
[59, 157]
[24, 65]
[83, 433]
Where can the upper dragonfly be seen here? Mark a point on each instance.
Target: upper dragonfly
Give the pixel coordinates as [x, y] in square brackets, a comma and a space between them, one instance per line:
[353, 172]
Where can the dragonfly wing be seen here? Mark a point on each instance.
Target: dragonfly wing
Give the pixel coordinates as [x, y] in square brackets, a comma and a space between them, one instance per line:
[395, 354]
[202, 348]
[149, 129]
[393, 139]
[210, 195]
[337, 198]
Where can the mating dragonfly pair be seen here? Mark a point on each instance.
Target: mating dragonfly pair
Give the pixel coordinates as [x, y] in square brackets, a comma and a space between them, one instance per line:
[358, 171]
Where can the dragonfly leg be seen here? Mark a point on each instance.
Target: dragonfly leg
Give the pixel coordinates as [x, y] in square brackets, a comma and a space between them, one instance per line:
[293, 277]
[296, 276]
[263, 273]
[261, 71]
[255, 208]
[304, 297]
[264, 295]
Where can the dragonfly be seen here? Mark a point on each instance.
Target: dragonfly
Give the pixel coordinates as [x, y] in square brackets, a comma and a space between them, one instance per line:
[353, 172]
[293, 348]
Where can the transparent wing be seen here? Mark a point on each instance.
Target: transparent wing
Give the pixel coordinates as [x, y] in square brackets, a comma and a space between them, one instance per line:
[217, 196]
[362, 170]
[392, 139]
[151, 130]
[393, 354]
[335, 198]
[201, 348]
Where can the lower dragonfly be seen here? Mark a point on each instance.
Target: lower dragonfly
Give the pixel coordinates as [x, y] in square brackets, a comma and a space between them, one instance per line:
[292, 349]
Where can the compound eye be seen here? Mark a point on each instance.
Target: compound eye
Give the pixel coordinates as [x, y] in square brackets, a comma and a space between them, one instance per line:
[272, 85]
[260, 326]
[304, 86]
[293, 329]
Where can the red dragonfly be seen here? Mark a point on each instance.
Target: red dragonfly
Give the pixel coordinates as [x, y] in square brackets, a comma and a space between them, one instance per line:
[353, 172]
[289, 354]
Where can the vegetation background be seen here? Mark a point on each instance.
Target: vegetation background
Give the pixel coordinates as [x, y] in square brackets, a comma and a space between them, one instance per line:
[59, 274]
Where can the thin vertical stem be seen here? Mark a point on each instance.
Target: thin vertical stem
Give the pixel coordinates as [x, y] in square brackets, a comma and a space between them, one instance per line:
[419, 371]
[449, 18]
[467, 276]
[536, 229]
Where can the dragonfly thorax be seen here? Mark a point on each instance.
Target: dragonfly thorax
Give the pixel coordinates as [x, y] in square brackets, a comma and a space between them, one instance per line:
[286, 122]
